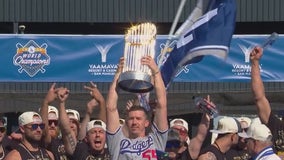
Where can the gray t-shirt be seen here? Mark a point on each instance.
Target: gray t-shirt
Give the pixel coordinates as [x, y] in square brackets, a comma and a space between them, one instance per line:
[123, 148]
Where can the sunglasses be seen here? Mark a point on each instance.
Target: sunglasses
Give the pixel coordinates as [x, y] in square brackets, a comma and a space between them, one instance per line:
[181, 131]
[35, 126]
[2, 129]
[52, 121]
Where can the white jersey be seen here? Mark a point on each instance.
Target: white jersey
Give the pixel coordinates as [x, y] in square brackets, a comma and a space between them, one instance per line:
[267, 154]
[123, 148]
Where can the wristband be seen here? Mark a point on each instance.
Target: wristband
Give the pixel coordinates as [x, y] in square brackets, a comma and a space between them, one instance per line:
[155, 73]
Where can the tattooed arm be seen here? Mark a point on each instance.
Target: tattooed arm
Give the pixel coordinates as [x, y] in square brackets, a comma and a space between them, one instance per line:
[207, 156]
[68, 135]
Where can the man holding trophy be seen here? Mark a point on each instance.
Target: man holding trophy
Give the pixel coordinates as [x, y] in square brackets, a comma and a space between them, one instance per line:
[138, 143]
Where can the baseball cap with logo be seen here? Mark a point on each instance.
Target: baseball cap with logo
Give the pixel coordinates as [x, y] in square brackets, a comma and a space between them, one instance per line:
[52, 113]
[29, 117]
[179, 122]
[73, 114]
[227, 125]
[257, 132]
[246, 120]
[96, 124]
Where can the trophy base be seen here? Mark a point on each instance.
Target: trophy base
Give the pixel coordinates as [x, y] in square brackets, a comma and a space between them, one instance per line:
[136, 82]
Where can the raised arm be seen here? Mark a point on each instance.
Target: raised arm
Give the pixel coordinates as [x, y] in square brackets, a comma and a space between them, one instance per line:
[160, 117]
[112, 114]
[49, 98]
[68, 136]
[262, 104]
[196, 142]
[97, 99]
[96, 94]
[202, 130]
[89, 110]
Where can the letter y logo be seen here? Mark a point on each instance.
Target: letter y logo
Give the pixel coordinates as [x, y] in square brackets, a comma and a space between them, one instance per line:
[246, 51]
[104, 50]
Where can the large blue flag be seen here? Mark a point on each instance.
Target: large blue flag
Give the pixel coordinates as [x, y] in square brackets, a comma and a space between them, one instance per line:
[211, 34]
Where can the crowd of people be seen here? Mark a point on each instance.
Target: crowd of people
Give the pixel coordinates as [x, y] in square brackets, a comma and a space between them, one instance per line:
[57, 132]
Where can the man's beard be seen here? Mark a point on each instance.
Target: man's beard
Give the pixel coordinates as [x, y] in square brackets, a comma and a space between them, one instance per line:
[32, 140]
[53, 133]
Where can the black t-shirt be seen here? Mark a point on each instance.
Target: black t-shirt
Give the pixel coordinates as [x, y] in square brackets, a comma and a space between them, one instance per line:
[238, 154]
[218, 154]
[276, 127]
[56, 146]
[84, 152]
[184, 155]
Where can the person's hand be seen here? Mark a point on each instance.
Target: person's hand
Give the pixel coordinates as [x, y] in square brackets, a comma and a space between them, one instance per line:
[51, 94]
[16, 136]
[149, 61]
[120, 65]
[256, 53]
[172, 155]
[94, 92]
[209, 101]
[117, 74]
[210, 105]
[129, 104]
[132, 102]
[182, 149]
[62, 94]
[91, 105]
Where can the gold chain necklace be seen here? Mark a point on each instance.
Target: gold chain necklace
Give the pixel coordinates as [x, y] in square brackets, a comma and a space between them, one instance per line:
[31, 153]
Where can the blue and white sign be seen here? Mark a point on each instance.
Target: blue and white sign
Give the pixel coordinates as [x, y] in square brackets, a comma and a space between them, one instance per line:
[66, 58]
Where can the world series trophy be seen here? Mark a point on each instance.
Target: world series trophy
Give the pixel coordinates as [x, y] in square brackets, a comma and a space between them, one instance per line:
[140, 41]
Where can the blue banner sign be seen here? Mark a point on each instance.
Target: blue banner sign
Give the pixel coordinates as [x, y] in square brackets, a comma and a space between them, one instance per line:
[84, 58]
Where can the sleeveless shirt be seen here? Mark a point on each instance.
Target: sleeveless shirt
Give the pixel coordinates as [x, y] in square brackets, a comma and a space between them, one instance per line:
[218, 154]
[41, 154]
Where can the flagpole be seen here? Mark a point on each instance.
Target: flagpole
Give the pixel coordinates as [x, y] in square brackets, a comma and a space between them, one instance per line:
[170, 36]
[198, 11]
[181, 5]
